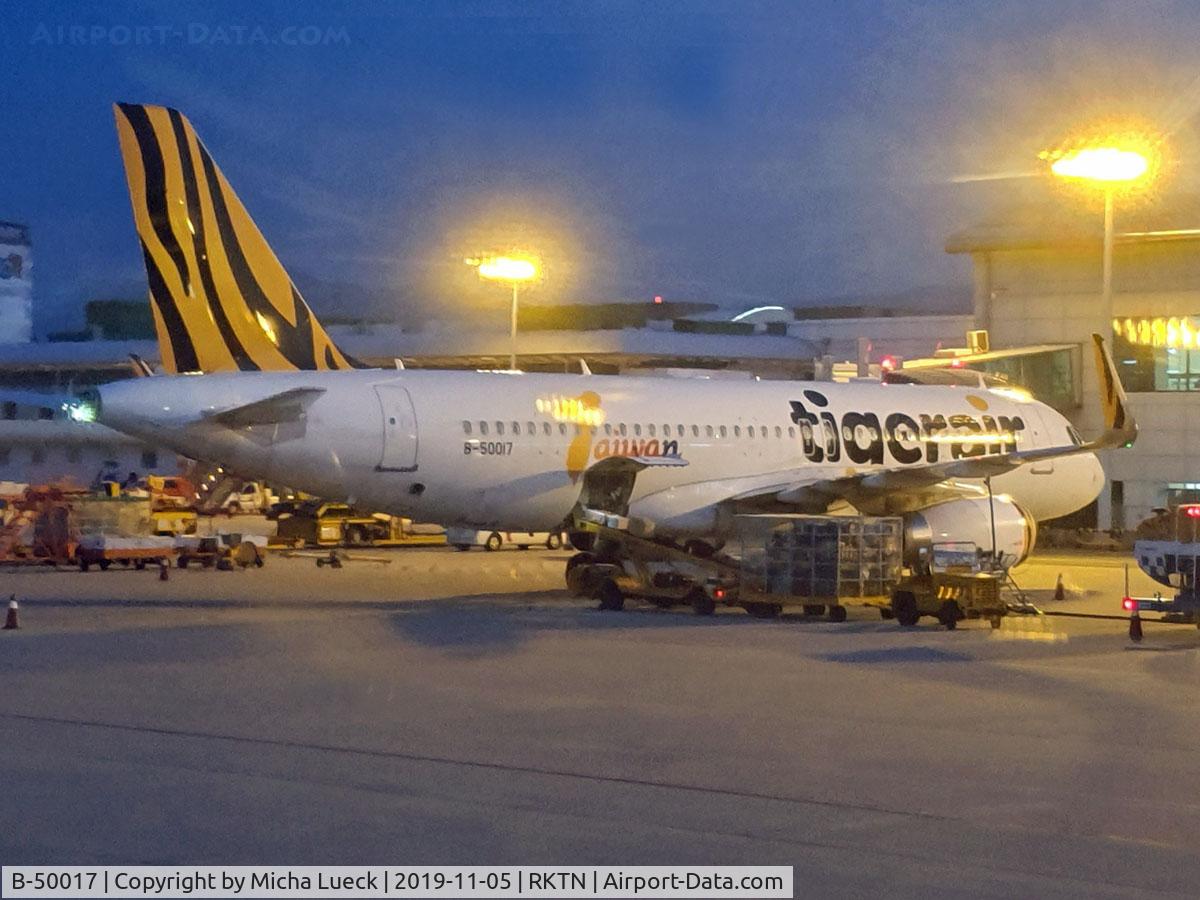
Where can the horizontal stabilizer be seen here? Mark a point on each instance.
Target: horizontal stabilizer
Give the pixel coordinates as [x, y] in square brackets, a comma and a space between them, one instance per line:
[286, 406]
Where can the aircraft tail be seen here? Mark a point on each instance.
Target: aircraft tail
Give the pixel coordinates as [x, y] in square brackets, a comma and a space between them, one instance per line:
[221, 299]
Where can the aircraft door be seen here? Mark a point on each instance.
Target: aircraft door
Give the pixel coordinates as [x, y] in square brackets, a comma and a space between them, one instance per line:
[399, 428]
[1041, 438]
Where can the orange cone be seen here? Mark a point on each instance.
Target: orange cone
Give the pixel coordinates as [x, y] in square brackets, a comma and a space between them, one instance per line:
[1060, 593]
[1135, 625]
[10, 622]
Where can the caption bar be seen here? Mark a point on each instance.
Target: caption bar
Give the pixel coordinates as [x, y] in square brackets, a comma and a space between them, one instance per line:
[397, 881]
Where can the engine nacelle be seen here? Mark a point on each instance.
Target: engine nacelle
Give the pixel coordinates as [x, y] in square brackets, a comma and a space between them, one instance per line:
[971, 520]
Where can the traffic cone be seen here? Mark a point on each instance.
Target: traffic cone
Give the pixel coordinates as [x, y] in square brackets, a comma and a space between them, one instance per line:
[1060, 593]
[10, 622]
[1135, 625]
[163, 571]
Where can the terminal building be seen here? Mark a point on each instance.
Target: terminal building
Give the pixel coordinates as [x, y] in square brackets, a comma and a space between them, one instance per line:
[1034, 289]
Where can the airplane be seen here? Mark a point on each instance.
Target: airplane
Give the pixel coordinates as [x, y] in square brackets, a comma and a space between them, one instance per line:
[255, 384]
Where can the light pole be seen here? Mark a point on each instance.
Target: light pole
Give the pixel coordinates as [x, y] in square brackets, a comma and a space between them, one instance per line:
[514, 270]
[1109, 168]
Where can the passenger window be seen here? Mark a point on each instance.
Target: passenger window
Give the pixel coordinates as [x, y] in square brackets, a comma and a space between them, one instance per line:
[562, 428]
[546, 429]
[695, 431]
[516, 428]
[778, 431]
[679, 430]
[651, 430]
[737, 430]
[608, 428]
[791, 431]
[724, 432]
[621, 429]
[499, 428]
[637, 430]
[708, 431]
[483, 428]
[762, 430]
[466, 427]
[530, 428]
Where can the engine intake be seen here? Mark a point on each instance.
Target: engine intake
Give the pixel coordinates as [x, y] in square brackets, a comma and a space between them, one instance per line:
[971, 520]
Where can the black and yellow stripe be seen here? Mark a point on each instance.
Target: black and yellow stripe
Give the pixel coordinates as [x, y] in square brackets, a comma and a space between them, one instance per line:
[221, 299]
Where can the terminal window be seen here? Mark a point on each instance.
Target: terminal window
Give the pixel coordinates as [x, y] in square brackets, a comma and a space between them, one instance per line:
[1145, 368]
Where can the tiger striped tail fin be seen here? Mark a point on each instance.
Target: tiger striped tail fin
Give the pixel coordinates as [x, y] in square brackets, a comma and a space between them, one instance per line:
[221, 299]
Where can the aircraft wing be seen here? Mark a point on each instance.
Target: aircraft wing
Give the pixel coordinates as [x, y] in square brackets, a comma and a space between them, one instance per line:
[1120, 431]
[286, 406]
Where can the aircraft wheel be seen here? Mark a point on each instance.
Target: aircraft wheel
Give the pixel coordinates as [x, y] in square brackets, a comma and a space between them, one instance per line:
[948, 614]
[104, 564]
[701, 603]
[837, 613]
[356, 536]
[554, 541]
[763, 610]
[182, 562]
[904, 607]
[610, 596]
[995, 621]
[493, 542]
[140, 564]
[577, 574]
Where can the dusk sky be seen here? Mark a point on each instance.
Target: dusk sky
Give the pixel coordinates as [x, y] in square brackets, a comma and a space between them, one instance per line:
[740, 152]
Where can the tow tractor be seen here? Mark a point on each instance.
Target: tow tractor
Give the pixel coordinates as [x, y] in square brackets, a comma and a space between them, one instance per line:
[1170, 554]
[951, 581]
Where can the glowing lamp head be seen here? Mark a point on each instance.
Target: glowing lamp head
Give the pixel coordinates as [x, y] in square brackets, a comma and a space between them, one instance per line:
[1191, 510]
[1129, 604]
[888, 364]
[505, 268]
[1106, 164]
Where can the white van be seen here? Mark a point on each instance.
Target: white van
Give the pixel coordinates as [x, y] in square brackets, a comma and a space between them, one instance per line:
[466, 538]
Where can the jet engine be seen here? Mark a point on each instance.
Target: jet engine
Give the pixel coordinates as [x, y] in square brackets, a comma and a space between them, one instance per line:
[971, 520]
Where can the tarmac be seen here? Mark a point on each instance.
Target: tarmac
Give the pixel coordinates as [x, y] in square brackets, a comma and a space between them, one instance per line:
[437, 707]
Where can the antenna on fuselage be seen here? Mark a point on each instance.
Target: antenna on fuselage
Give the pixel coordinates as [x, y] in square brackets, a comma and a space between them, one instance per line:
[583, 367]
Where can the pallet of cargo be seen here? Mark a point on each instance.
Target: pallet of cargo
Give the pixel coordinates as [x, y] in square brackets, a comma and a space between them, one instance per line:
[818, 562]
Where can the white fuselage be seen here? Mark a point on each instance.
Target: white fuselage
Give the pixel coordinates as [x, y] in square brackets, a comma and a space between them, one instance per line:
[504, 450]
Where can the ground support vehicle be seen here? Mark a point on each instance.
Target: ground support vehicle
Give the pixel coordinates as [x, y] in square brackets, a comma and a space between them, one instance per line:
[103, 550]
[626, 564]
[818, 562]
[1172, 558]
[466, 538]
[222, 551]
[952, 582]
[315, 523]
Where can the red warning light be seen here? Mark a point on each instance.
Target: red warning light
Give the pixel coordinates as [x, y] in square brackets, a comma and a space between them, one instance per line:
[1129, 603]
[888, 364]
[1191, 510]
[658, 298]
[956, 363]
[719, 594]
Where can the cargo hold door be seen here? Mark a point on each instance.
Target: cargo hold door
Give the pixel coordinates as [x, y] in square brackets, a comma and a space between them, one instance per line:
[399, 452]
